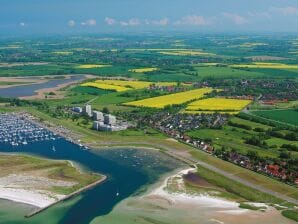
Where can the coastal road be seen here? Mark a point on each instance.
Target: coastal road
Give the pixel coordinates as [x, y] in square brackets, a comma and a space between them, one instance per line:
[238, 179]
[188, 158]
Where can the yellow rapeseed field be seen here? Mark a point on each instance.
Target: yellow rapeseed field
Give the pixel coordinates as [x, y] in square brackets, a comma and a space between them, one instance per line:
[123, 85]
[142, 70]
[217, 104]
[92, 66]
[184, 53]
[171, 99]
[106, 86]
[266, 65]
[134, 84]
[63, 52]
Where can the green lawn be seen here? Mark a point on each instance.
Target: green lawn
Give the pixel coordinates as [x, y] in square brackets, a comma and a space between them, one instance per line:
[250, 123]
[287, 116]
[232, 138]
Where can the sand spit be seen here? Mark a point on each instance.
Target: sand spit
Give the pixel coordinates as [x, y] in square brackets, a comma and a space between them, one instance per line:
[200, 199]
[36, 198]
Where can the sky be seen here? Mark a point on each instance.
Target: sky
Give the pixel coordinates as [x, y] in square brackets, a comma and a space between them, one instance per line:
[103, 16]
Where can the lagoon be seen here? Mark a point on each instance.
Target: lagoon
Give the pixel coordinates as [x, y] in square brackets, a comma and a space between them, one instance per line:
[30, 89]
[129, 172]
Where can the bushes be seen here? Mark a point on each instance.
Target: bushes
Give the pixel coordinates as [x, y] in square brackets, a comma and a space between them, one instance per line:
[243, 126]
[291, 214]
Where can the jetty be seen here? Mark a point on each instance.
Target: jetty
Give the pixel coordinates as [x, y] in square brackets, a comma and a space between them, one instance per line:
[39, 210]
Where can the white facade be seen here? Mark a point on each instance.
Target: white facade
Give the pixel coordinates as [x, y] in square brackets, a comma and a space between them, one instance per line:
[100, 126]
[87, 110]
[98, 116]
[109, 119]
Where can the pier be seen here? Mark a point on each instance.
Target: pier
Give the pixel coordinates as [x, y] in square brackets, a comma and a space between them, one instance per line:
[39, 210]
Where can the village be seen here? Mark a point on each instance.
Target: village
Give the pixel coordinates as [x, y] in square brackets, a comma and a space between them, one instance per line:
[177, 125]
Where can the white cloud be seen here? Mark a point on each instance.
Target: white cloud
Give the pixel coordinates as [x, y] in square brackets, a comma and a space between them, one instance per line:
[161, 22]
[235, 18]
[71, 23]
[131, 22]
[89, 22]
[265, 15]
[286, 11]
[193, 20]
[110, 21]
[22, 24]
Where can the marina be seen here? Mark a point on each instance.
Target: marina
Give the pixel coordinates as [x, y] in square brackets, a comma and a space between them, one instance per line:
[16, 130]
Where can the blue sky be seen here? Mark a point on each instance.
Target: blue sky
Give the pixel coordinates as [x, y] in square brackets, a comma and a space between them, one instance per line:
[100, 16]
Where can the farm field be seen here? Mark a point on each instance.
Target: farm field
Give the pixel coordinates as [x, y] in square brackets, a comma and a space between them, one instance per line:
[92, 66]
[211, 70]
[106, 86]
[171, 99]
[185, 53]
[122, 85]
[142, 70]
[217, 105]
[266, 65]
[288, 116]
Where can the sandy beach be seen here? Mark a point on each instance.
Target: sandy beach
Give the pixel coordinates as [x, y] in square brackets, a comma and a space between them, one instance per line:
[36, 198]
[161, 205]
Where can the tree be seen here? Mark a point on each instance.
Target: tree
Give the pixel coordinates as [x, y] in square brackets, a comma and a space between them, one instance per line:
[105, 110]
[252, 155]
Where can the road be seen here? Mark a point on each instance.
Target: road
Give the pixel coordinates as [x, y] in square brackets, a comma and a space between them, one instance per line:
[190, 160]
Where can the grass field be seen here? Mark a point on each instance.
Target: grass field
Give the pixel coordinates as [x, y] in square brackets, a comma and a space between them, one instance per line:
[231, 138]
[287, 116]
[217, 105]
[266, 65]
[87, 66]
[142, 70]
[223, 72]
[249, 123]
[171, 99]
[236, 188]
[89, 90]
[53, 170]
[185, 53]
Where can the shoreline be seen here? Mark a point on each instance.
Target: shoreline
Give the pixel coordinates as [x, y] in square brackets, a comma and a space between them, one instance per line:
[42, 199]
[201, 199]
[103, 179]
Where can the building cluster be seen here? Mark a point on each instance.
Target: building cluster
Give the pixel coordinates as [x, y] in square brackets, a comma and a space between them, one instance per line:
[101, 121]
[269, 168]
[176, 125]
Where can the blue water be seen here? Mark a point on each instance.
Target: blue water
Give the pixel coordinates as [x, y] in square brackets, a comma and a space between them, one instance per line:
[128, 171]
[29, 90]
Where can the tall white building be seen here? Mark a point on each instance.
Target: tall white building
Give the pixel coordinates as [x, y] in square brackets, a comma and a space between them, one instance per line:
[98, 116]
[109, 119]
[87, 110]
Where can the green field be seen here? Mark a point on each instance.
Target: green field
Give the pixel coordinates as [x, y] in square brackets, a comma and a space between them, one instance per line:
[286, 116]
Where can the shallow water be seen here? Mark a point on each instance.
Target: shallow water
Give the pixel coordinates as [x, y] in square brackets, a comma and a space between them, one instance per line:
[29, 90]
[129, 171]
